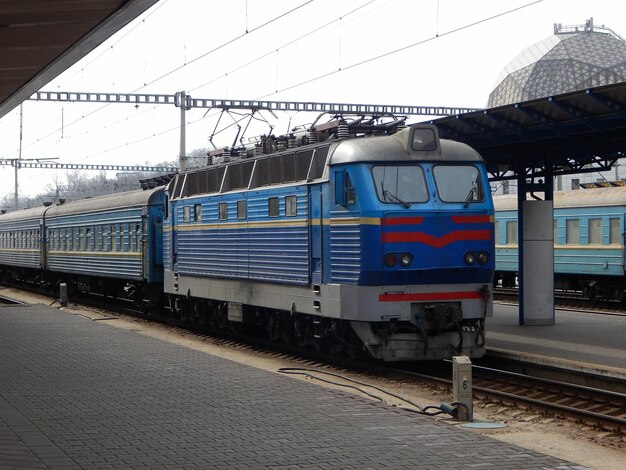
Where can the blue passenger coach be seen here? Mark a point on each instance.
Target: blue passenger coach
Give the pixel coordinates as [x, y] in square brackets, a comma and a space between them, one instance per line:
[588, 241]
[376, 242]
[109, 244]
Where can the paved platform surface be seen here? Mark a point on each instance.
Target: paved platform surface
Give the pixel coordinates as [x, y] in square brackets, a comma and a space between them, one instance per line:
[77, 393]
[591, 341]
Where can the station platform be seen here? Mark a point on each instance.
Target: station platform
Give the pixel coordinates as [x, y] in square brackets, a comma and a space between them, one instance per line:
[77, 393]
[578, 341]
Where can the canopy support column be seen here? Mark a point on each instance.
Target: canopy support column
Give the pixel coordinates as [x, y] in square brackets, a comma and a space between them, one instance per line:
[536, 250]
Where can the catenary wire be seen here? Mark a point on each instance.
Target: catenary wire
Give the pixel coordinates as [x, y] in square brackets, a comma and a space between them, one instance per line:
[267, 23]
[404, 48]
[369, 60]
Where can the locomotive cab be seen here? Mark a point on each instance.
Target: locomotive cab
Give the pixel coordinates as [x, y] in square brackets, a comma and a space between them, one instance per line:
[426, 243]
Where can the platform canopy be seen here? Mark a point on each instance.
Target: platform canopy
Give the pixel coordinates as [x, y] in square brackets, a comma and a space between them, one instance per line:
[564, 134]
[39, 39]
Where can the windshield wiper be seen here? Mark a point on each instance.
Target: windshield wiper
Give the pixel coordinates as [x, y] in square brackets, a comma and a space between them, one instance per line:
[470, 195]
[390, 195]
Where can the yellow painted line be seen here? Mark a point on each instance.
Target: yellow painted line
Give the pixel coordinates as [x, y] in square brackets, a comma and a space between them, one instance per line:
[276, 223]
[571, 247]
[105, 254]
[20, 250]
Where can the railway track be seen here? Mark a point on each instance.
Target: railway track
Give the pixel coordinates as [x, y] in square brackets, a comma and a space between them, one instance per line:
[592, 406]
[569, 300]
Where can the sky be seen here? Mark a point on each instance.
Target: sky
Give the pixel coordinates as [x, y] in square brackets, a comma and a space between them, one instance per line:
[404, 52]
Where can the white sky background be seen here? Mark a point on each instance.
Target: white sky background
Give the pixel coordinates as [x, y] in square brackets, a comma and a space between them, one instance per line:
[454, 69]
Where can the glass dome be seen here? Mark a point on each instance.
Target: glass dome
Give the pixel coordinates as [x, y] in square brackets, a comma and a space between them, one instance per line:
[574, 58]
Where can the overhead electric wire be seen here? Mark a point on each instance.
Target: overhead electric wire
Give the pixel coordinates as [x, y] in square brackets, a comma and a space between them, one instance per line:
[284, 46]
[230, 41]
[363, 62]
[122, 37]
[276, 18]
[404, 48]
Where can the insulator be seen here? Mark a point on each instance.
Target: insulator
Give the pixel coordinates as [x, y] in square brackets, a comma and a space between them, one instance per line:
[281, 146]
[258, 151]
[314, 137]
[292, 142]
[343, 131]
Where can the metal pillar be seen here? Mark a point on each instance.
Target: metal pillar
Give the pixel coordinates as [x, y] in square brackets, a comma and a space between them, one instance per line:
[182, 100]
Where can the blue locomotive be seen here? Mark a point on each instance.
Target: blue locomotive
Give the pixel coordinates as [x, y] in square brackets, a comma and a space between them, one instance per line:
[342, 239]
[588, 241]
[382, 241]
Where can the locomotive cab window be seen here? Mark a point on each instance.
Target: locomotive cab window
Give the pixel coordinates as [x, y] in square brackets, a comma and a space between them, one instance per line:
[400, 184]
[197, 212]
[458, 183]
[186, 214]
[345, 194]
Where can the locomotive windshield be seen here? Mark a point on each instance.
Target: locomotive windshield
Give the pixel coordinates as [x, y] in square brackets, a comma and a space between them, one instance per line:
[400, 184]
[458, 183]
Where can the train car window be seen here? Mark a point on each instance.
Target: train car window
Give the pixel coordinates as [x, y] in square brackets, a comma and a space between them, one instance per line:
[289, 167]
[246, 173]
[186, 214]
[233, 178]
[113, 238]
[318, 162]
[595, 231]
[88, 239]
[197, 212]
[193, 184]
[178, 185]
[125, 238]
[400, 184]
[275, 169]
[260, 175]
[138, 235]
[241, 210]
[458, 183]
[272, 206]
[303, 163]
[70, 239]
[615, 234]
[572, 231]
[291, 206]
[223, 211]
[214, 178]
[511, 232]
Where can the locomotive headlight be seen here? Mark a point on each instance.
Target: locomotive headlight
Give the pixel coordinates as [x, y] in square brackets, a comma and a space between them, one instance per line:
[405, 260]
[483, 257]
[390, 260]
[469, 258]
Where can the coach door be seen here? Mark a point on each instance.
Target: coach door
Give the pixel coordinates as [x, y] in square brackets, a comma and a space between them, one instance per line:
[315, 218]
